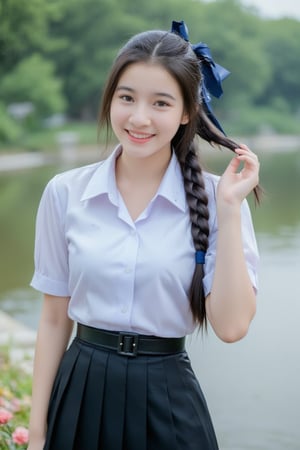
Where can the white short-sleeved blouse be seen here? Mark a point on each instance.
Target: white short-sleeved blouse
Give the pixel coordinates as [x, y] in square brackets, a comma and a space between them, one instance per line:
[123, 274]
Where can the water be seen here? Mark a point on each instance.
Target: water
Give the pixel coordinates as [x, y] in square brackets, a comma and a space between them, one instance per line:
[252, 386]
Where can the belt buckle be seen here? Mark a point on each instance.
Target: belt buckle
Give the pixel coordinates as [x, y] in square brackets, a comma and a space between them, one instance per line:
[128, 344]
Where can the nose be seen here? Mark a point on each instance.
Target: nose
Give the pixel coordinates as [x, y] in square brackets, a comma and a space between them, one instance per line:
[140, 116]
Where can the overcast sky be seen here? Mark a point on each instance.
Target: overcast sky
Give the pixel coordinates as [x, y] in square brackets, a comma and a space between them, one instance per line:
[276, 8]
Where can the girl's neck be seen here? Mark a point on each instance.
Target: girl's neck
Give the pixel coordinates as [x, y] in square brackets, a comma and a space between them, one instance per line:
[139, 178]
[142, 170]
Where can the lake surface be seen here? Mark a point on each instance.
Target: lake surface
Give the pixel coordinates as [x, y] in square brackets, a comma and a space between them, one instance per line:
[252, 387]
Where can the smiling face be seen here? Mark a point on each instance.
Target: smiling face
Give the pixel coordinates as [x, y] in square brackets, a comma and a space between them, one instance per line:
[146, 110]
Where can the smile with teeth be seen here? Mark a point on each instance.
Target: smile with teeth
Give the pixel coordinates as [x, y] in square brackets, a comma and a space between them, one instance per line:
[137, 135]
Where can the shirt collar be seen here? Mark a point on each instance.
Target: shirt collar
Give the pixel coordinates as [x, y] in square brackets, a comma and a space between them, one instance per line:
[103, 181]
[172, 187]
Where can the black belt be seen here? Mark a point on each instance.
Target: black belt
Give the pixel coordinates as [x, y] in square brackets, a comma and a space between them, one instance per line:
[130, 344]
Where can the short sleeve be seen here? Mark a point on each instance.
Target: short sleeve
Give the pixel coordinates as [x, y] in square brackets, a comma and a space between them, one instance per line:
[50, 254]
[248, 237]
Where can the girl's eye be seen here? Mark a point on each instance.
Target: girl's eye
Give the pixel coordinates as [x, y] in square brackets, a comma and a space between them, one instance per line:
[126, 98]
[161, 103]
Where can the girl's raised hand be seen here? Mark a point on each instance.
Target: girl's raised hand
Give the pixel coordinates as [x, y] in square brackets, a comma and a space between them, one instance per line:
[239, 178]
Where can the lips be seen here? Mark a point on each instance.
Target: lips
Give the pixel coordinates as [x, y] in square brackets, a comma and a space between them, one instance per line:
[137, 136]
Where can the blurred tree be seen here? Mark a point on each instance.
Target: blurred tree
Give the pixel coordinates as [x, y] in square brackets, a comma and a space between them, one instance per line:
[24, 29]
[33, 80]
[81, 38]
[281, 45]
[234, 35]
[9, 128]
[93, 31]
[159, 15]
[26, 77]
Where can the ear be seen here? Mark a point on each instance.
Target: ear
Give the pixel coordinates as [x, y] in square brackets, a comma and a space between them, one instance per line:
[185, 119]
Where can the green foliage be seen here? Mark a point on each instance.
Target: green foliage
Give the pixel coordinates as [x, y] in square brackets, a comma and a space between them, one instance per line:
[93, 30]
[14, 382]
[233, 34]
[57, 55]
[281, 47]
[259, 119]
[33, 80]
[24, 28]
[47, 138]
[9, 129]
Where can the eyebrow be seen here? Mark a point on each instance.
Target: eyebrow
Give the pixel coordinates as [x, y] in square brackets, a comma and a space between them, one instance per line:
[158, 94]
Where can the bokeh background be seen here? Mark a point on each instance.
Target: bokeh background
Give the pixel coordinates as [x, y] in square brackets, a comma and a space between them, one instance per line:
[54, 57]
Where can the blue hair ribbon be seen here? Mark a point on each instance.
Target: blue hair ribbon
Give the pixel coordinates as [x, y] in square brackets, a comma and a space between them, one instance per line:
[200, 257]
[212, 74]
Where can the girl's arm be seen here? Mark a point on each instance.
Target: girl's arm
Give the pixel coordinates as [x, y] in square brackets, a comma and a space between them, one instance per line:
[54, 332]
[231, 303]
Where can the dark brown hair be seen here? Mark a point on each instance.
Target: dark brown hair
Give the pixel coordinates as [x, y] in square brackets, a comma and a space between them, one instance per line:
[177, 57]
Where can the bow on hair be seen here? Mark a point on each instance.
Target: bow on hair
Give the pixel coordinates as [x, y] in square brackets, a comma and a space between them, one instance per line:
[212, 74]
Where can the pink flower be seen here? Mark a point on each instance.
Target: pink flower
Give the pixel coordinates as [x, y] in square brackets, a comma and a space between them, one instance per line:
[5, 416]
[20, 436]
[15, 404]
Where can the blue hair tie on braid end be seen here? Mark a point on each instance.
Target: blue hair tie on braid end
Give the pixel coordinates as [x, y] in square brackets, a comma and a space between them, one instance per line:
[200, 257]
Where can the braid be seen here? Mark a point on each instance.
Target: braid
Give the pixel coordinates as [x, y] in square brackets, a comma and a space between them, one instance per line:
[197, 200]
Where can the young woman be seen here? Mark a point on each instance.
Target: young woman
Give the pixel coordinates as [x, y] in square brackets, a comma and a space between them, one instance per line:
[138, 250]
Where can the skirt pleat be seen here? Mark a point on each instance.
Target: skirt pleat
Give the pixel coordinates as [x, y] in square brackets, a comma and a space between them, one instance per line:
[60, 386]
[161, 427]
[105, 401]
[64, 428]
[87, 433]
[135, 436]
[112, 424]
[192, 420]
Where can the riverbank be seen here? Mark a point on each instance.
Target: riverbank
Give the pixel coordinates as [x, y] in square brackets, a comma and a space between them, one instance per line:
[19, 340]
[29, 160]
[271, 142]
[26, 160]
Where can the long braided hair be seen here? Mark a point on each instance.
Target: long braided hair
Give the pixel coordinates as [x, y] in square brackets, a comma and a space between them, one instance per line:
[176, 56]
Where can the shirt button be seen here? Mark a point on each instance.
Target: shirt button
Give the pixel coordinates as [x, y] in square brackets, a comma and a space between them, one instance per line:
[124, 309]
[128, 270]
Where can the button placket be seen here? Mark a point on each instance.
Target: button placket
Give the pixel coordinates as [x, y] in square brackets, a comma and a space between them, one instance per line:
[129, 271]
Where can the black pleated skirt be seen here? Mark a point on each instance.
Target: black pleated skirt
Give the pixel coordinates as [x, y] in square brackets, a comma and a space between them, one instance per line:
[105, 401]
